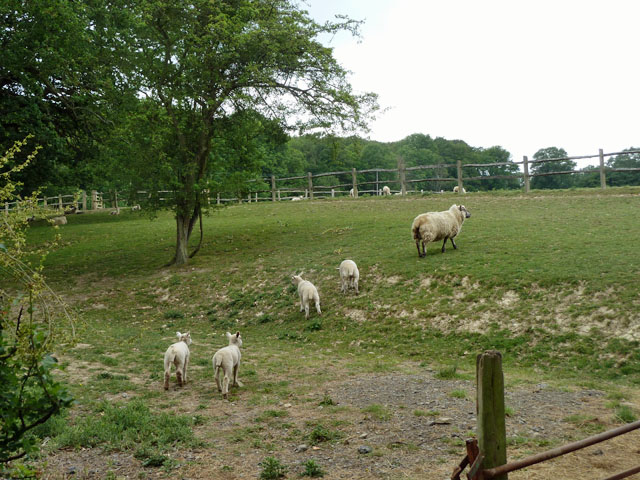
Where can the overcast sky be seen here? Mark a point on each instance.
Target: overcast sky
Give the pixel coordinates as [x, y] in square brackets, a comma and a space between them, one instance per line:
[522, 75]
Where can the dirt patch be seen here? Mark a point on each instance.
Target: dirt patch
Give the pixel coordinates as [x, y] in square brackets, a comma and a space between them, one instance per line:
[413, 425]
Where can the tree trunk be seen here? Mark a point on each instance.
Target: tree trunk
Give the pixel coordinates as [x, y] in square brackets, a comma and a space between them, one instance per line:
[182, 239]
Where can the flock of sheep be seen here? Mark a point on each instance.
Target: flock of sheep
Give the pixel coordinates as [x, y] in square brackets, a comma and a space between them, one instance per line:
[427, 227]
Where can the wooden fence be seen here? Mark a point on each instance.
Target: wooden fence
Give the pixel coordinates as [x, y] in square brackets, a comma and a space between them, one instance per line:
[401, 180]
[487, 456]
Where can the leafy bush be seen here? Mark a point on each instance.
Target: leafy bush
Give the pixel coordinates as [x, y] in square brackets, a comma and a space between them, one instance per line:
[312, 469]
[272, 469]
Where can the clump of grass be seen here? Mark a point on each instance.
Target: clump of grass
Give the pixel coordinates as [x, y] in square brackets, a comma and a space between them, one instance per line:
[625, 414]
[173, 315]
[458, 394]
[326, 401]
[448, 373]
[321, 434]
[423, 413]
[312, 469]
[379, 412]
[272, 469]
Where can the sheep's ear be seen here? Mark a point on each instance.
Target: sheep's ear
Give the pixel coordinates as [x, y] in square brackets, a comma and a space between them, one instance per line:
[237, 334]
[178, 334]
[228, 335]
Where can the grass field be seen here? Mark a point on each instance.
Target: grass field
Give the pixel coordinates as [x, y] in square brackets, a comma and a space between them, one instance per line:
[550, 280]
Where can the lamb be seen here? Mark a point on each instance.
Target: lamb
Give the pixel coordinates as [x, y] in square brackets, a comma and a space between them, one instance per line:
[59, 220]
[136, 208]
[456, 189]
[307, 293]
[386, 190]
[349, 275]
[351, 193]
[228, 359]
[178, 354]
[297, 199]
[434, 226]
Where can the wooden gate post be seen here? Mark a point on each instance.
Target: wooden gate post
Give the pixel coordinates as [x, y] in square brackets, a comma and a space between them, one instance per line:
[354, 182]
[84, 201]
[492, 436]
[525, 163]
[459, 168]
[310, 181]
[94, 199]
[603, 180]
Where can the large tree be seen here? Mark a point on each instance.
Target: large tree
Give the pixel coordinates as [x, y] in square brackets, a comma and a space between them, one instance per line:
[552, 181]
[200, 62]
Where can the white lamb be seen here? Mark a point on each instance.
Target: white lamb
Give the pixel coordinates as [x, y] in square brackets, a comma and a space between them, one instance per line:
[434, 226]
[349, 275]
[386, 190]
[351, 193]
[59, 220]
[307, 293]
[177, 354]
[228, 359]
[456, 189]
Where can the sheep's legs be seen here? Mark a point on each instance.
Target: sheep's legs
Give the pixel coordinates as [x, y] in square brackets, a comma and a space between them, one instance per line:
[453, 243]
[443, 245]
[318, 307]
[424, 251]
[167, 375]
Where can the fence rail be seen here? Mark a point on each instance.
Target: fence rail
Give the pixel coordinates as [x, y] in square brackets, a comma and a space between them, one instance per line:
[349, 183]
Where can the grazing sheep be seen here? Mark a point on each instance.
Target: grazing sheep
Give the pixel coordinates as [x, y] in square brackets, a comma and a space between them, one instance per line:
[296, 199]
[456, 190]
[59, 220]
[115, 212]
[178, 354]
[307, 293]
[228, 359]
[136, 208]
[349, 275]
[386, 190]
[434, 226]
[351, 193]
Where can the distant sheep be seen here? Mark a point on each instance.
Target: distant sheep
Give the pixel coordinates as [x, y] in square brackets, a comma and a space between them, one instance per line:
[349, 275]
[59, 220]
[456, 190]
[352, 193]
[115, 212]
[434, 226]
[136, 208]
[386, 190]
[296, 199]
[307, 293]
[177, 354]
[227, 359]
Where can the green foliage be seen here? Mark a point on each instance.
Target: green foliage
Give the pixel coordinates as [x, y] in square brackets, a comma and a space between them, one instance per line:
[625, 414]
[272, 469]
[320, 434]
[312, 469]
[29, 324]
[379, 412]
[552, 181]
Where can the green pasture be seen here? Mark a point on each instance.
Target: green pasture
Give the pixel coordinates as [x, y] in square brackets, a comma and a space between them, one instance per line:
[551, 281]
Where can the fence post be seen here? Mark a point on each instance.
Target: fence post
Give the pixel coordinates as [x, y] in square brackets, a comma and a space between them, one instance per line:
[94, 199]
[310, 181]
[44, 201]
[218, 199]
[60, 206]
[278, 195]
[525, 163]
[273, 188]
[333, 193]
[84, 201]
[603, 180]
[249, 197]
[354, 182]
[377, 184]
[459, 168]
[492, 437]
[115, 200]
[402, 175]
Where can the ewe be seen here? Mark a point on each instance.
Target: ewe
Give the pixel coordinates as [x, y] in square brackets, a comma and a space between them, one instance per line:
[307, 293]
[349, 275]
[386, 190]
[456, 189]
[434, 226]
[228, 359]
[178, 354]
